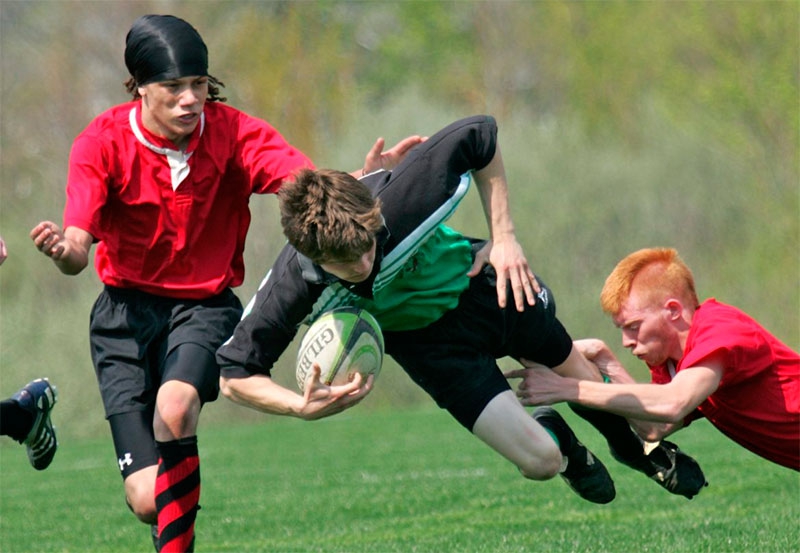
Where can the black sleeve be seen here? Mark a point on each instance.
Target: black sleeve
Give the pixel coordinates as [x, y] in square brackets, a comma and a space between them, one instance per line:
[270, 320]
[430, 174]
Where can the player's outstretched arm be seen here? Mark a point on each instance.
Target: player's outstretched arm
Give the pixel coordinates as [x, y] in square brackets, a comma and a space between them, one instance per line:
[262, 393]
[505, 253]
[664, 403]
[69, 249]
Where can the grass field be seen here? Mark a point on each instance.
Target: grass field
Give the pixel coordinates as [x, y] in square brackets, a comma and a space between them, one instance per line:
[403, 481]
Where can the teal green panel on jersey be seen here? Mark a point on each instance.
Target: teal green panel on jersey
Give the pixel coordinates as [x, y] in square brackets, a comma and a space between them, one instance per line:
[428, 285]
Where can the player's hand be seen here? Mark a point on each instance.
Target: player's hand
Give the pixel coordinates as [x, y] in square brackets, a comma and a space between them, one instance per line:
[321, 400]
[3, 250]
[539, 385]
[378, 159]
[49, 239]
[69, 248]
[597, 352]
[510, 265]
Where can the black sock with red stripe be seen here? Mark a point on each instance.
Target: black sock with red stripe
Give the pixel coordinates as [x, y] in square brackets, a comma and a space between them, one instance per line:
[177, 494]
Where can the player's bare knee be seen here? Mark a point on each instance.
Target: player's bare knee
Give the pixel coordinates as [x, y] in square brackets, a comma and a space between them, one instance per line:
[177, 410]
[542, 467]
[140, 494]
[143, 506]
[172, 413]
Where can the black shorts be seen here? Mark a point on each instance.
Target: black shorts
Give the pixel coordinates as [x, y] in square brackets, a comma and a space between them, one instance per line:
[454, 359]
[132, 333]
[140, 341]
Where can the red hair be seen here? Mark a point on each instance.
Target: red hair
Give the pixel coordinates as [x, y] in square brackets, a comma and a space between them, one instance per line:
[659, 271]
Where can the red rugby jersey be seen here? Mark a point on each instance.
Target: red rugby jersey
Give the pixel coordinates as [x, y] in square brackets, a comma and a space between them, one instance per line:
[757, 403]
[182, 241]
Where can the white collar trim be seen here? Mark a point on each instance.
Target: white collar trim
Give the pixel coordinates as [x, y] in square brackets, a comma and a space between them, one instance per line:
[177, 159]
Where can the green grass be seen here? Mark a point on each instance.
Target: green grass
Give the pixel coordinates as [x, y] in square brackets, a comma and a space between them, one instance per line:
[400, 481]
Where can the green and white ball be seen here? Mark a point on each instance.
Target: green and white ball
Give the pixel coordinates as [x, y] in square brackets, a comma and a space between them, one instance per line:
[342, 341]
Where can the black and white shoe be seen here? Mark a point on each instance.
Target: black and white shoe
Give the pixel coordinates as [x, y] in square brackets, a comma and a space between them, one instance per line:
[38, 398]
[670, 468]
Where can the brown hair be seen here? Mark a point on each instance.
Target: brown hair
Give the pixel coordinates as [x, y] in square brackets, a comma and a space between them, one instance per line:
[660, 271]
[329, 215]
[214, 86]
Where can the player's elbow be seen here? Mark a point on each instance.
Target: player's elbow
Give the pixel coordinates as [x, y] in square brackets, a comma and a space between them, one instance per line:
[653, 433]
[225, 387]
[590, 347]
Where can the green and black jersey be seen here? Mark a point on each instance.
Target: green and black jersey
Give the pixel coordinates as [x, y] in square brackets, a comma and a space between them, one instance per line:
[421, 264]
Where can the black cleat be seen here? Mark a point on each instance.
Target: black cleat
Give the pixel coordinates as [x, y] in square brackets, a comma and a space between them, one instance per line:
[585, 474]
[670, 468]
[38, 398]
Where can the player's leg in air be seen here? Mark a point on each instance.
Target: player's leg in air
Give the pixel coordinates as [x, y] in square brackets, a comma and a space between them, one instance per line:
[663, 462]
[468, 383]
[25, 417]
[541, 443]
[454, 361]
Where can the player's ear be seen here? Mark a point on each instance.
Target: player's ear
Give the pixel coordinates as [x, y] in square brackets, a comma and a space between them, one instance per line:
[674, 309]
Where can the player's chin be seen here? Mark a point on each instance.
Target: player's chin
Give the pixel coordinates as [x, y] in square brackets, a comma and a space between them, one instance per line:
[651, 360]
[182, 127]
[355, 279]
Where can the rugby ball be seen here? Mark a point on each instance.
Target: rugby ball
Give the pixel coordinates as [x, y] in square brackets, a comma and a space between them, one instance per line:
[342, 341]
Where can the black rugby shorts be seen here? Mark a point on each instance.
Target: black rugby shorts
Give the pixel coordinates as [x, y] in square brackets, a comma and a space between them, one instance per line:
[132, 333]
[455, 359]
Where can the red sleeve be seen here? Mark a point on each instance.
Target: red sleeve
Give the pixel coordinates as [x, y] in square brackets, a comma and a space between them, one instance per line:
[87, 188]
[265, 155]
[721, 331]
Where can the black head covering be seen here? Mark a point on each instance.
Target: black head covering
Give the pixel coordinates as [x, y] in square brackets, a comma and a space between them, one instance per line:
[164, 47]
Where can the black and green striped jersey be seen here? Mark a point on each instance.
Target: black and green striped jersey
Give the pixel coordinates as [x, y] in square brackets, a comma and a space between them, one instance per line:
[421, 264]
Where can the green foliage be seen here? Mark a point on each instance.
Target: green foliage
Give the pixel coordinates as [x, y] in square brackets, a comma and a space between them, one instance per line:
[399, 481]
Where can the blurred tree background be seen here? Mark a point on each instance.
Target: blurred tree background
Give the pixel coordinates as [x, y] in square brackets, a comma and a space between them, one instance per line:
[622, 124]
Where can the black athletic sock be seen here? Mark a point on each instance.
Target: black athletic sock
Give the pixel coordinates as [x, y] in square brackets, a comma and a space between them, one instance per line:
[558, 428]
[15, 422]
[625, 444]
[571, 448]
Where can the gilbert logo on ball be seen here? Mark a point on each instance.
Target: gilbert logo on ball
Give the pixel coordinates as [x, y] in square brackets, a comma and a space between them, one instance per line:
[342, 341]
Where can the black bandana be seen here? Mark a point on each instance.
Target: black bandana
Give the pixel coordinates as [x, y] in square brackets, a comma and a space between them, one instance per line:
[164, 47]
